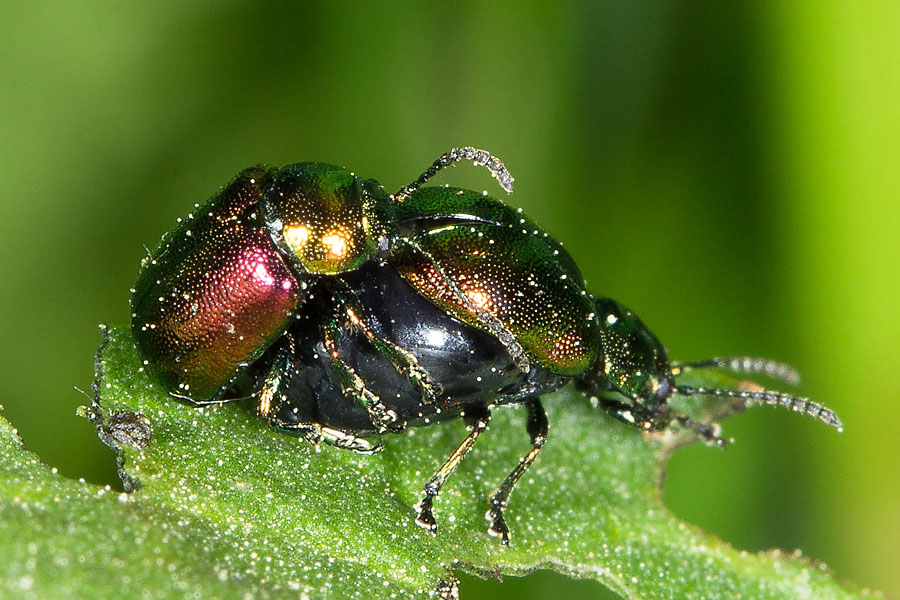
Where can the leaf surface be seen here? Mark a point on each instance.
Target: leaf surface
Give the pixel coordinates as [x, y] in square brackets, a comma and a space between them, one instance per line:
[224, 507]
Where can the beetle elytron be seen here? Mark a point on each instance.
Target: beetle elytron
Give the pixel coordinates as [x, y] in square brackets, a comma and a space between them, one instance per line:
[355, 312]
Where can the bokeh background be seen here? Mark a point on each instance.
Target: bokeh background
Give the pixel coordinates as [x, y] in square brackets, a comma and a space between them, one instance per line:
[729, 170]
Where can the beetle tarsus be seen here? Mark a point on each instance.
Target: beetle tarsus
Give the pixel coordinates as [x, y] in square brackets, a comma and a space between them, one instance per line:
[348, 441]
[384, 418]
[498, 527]
[708, 432]
[425, 518]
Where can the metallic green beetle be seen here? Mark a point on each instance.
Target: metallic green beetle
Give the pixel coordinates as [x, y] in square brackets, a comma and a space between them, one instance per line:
[354, 312]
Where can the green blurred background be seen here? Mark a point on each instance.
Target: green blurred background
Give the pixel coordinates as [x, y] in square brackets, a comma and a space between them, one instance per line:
[730, 171]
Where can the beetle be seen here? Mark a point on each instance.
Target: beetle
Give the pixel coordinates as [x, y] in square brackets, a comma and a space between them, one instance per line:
[354, 312]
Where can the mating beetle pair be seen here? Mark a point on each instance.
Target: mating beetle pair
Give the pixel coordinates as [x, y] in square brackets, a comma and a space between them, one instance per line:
[353, 312]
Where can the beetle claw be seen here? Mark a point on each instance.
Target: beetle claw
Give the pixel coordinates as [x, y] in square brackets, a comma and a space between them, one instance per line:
[425, 518]
[498, 527]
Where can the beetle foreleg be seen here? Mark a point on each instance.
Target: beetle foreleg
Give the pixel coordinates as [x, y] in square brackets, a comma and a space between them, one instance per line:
[403, 361]
[273, 394]
[644, 420]
[709, 432]
[477, 418]
[352, 384]
[537, 429]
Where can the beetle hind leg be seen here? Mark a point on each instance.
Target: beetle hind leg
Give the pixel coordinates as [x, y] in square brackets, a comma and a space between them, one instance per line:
[537, 429]
[477, 419]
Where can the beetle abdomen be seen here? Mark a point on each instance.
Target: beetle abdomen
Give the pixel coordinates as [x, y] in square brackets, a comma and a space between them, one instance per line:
[471, 366]
[214, 294]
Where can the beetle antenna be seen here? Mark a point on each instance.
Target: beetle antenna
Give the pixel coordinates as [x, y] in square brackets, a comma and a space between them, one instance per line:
[795, 403]
[741, 365]
[478, 158]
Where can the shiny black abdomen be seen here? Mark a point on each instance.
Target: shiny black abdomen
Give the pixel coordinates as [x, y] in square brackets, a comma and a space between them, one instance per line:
[471, 366]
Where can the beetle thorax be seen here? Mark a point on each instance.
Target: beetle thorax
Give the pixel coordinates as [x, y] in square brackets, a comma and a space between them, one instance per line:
[323, 218]
[328, 237]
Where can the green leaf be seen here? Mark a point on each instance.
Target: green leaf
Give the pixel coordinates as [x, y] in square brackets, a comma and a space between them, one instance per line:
[224, 507]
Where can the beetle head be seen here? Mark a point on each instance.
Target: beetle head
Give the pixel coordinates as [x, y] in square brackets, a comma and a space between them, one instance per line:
[324, 218]
[634, 361]
[635, 364]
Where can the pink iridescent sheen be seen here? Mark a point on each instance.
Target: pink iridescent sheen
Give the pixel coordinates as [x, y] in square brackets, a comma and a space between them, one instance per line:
[213, 299]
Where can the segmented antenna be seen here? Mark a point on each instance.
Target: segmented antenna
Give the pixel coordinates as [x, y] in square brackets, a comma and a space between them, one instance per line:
[795, 403]
[478, 157]
[743, 364]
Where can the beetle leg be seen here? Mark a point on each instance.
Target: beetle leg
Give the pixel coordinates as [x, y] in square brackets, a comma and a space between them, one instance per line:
[644, 420]
[477, 419]
[403, 361]
[537, 429]
[709, 432]
[273, 393]
[315, 434]
[631, 414]
[382, 418]
[339, 439]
